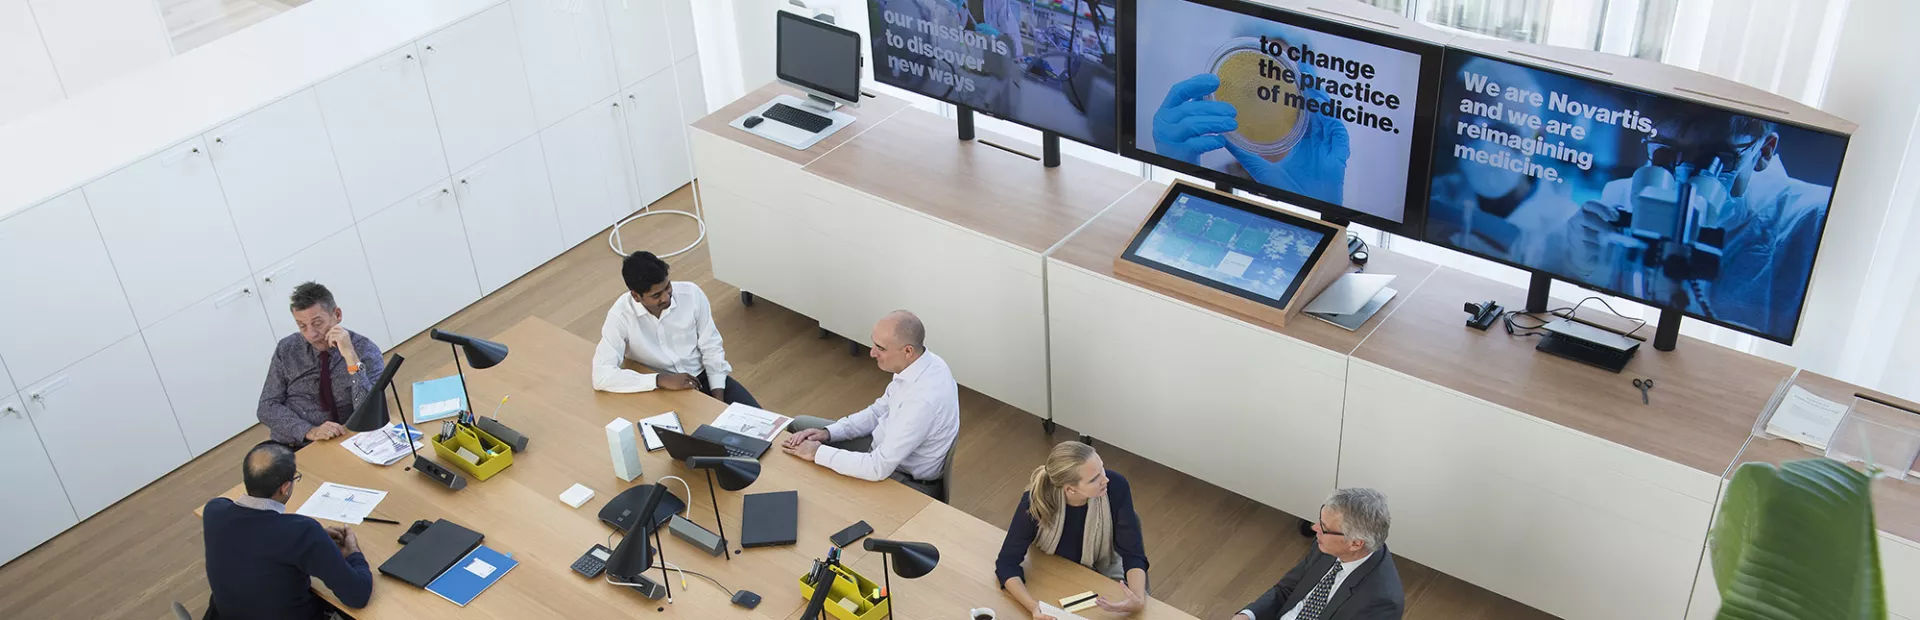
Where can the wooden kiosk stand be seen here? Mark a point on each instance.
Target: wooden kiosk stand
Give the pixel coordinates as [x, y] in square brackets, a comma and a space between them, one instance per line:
[1211, 245]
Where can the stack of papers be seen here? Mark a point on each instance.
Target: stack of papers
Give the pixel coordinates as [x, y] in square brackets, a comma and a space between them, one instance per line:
[339, 502]
[751, 421]
[385, 446]
[1805, 419]
[668, 420]
[1059, 614]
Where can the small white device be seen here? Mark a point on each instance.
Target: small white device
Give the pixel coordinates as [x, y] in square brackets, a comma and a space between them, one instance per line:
[577, 495]
[624, 444]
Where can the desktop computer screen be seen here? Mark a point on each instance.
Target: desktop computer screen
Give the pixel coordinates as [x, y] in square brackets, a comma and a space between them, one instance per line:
[818, 57]
[1321, 114]
[1045, 64]
[1232, 245]
[1676, 203]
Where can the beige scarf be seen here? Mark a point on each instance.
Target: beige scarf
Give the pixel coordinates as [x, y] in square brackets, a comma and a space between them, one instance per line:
[1096, 542]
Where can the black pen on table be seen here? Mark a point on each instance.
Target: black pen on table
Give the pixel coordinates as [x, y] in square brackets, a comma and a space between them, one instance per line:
[380, 520]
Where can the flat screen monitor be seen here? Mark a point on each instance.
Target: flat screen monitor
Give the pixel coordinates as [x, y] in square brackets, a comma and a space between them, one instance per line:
[1672, 202]
[1328, 116]
[1229, 244]
[818, 57]
[1044, 64]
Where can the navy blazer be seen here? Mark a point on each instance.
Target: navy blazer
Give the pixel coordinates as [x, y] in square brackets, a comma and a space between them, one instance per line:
[1372, 592]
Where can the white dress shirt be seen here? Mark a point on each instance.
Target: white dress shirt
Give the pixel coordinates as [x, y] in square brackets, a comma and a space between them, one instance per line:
[913, 425]
[682, 339]
[1346, 570]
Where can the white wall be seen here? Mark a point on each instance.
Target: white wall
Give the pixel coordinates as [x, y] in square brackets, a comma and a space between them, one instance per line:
[54, 49]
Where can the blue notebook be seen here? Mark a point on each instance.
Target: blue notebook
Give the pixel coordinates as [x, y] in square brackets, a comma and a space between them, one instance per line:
[472, 575]
[438, 399]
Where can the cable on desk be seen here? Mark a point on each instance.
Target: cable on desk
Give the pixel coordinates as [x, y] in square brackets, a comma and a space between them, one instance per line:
[1564, 313]
[685, 572]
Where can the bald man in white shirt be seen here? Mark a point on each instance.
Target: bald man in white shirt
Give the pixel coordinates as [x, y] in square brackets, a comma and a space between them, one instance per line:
[907, 432]
[667, 326]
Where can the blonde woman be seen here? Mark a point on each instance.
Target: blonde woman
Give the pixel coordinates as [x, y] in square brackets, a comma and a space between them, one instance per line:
[1076, 509]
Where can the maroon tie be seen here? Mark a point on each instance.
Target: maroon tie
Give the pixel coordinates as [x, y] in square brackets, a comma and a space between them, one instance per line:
[326, 386]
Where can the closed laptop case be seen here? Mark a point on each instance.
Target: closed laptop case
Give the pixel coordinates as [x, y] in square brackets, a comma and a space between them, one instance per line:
[431, 553]
[770, 519]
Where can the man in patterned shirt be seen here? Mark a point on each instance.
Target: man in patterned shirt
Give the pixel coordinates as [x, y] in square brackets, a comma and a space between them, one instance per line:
[318, 374]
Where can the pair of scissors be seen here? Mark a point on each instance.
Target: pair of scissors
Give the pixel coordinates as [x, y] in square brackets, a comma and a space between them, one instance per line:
[1645, 385]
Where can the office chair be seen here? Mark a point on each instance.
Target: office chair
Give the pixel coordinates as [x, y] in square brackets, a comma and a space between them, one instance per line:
[946, 475]
[180, 612]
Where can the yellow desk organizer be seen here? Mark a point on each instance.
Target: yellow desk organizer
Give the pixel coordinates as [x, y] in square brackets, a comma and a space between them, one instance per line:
[849, 585]
[493, 454]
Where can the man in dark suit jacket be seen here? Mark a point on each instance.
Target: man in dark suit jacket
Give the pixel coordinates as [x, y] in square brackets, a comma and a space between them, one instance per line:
[1348, 575]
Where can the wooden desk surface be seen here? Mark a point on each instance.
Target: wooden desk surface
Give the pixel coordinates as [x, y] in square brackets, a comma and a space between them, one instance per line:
[520, 513]
[1094, 248]
[872, 110]
[964, 578]
[1896, 503]
[914, 160]
[1703, 406]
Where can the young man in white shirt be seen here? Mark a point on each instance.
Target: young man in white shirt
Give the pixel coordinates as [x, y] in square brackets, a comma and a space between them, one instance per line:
[907, 432]
[667, 326]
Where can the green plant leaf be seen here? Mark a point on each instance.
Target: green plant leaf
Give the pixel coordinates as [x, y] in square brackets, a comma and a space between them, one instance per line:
[1797, 542]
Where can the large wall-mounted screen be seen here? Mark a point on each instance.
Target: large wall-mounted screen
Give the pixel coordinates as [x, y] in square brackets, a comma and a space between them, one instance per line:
[1328, 116]
[1045, 64]
[1673, 202]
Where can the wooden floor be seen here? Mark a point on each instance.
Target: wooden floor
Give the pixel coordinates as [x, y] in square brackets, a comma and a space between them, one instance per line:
[1212, 550]
[193, 23]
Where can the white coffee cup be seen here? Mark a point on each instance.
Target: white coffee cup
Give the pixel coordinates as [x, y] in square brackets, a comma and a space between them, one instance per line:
[981, 613]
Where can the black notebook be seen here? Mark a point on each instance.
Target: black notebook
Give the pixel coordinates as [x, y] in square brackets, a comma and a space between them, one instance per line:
[770, 519]
[431, 553]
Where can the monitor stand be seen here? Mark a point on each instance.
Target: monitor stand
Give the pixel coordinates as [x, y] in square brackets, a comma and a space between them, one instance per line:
[1666, 335]
[819, 105]
[1049, 141]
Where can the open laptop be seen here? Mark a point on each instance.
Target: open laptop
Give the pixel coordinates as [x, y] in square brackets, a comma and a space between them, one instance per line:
[710, 441]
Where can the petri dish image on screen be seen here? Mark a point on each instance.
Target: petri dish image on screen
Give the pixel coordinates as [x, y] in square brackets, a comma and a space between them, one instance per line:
[1268, 131]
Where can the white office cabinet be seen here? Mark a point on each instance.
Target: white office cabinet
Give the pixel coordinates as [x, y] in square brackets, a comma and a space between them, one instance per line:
[27, 79]
[381, 122]
[64, 299]
[479, 86]
[94, 41]
[640, 47]
[507, 205]
[680, 28]
[106, 425]
[660, 151]
[166, 225]
[208, 357]
[281, 180]
[693, 91]
[417, 251]
[569, 55]
[36, 508]
[591, 170]
[339, 263]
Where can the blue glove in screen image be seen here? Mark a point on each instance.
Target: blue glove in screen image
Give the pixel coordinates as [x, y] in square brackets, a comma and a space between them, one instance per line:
[1324, 117]
[1675, 203]
[1046, 64]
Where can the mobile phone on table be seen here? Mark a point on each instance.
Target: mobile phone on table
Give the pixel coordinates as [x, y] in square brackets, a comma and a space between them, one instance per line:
[853, 533]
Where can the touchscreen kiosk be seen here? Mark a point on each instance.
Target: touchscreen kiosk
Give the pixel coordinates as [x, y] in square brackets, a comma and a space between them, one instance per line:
[1255, 259]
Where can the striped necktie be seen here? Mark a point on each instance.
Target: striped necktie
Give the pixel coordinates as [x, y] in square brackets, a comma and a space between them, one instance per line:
[1316, 602]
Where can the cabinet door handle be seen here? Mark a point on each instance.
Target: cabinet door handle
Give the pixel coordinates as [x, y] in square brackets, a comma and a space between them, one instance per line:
[40, 395]
[223, 301]
[473, 177]
[433, 197]
[13, 410]
[274, 275]
[180, 154]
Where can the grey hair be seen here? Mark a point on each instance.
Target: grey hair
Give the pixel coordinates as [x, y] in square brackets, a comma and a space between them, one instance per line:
[1364, 515]
[909, 329]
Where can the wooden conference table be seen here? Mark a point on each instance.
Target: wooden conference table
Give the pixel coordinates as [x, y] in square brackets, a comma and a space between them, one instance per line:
[520, 513]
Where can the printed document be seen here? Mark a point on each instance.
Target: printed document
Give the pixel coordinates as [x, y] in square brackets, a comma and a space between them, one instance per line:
[752, 421]
[339, 502]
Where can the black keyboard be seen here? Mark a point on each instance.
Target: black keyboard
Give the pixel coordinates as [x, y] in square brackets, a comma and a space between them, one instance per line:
[741, 453]
[797, 117]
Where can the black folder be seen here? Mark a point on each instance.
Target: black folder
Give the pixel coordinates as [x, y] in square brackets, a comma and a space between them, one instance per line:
[770, 519]
[431, 553]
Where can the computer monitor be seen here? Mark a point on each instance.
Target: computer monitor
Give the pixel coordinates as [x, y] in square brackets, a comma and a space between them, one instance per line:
[1044, 64]
[1323, 114]
[1677, 203]
[819, 58]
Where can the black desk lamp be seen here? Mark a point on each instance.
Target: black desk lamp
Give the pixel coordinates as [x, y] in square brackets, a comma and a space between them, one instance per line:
[634, 555]
[912, 560]
[735, 473]
[482, 354]
[370, 414]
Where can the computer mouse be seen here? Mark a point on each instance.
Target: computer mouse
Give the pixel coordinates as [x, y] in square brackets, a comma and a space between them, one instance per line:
[751, 122]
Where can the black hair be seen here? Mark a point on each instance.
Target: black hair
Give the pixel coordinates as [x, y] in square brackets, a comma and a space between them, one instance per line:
[268, 466]
[643, 271]
[311, 293]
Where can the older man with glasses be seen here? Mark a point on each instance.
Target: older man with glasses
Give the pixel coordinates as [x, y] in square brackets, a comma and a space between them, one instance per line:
[261, 561]
[1348, 575]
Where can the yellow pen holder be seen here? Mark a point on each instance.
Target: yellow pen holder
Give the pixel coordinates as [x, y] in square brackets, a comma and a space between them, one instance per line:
[494, 455]
[849, 585]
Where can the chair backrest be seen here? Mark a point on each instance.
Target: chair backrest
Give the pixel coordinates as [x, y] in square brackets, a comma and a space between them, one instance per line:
[180, 612]
[946, 474]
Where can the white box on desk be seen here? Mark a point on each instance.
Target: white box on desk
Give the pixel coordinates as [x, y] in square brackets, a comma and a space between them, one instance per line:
[625, 449]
